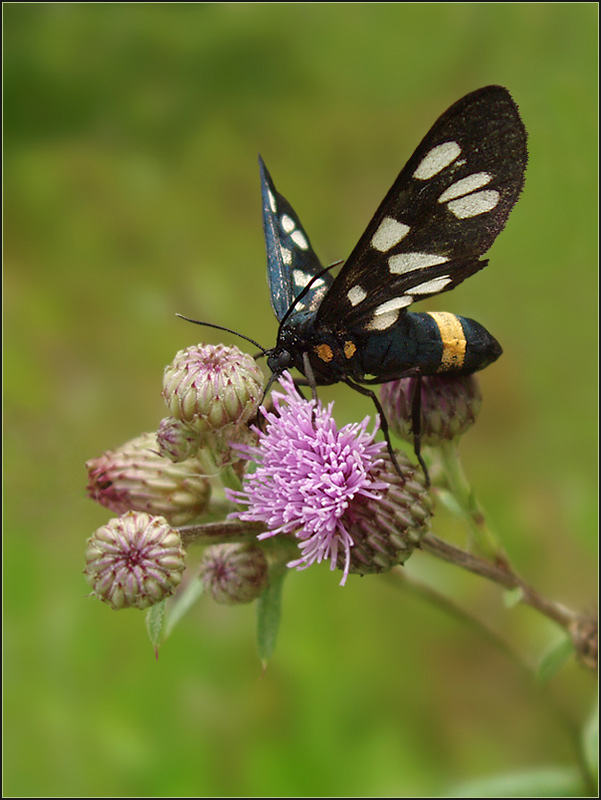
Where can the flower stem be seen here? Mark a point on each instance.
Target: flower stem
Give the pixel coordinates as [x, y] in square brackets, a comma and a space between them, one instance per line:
[220, 532]
[492, 562]
[482, 536]
[501, 574]
[402, 579]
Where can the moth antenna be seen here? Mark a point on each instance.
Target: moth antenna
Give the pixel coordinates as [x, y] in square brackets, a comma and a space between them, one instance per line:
[227, 330]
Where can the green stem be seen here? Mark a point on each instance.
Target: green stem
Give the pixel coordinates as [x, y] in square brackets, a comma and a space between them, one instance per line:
[401, 579]
[482, 536]
[581, 627]
[226, 475]
[501, 574]
[230, 530]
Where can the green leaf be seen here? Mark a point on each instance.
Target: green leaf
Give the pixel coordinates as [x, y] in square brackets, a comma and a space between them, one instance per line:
[450, 502]
[542, 782]
[154, 624]
[183, 603]
[511, 597]
[555, 657]
[269, 610]
[590, 744]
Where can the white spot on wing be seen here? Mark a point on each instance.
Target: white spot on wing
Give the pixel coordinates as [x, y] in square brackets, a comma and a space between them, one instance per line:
[474, 204]
[393, 305]
[299, 240]
[317, 296]
[286, 255]
[436, 160]
[389, 233]
[406, 262]
[272, 203]
[383, 321]
[356, 295]
[288, 223]
[431, 287]
[300, 278]
[465, 186]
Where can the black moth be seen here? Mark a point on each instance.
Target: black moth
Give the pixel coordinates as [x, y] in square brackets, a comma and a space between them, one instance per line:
[441, 214]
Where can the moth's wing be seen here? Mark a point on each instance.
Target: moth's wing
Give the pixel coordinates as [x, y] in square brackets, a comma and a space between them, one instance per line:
[291, 261]
[442, 213]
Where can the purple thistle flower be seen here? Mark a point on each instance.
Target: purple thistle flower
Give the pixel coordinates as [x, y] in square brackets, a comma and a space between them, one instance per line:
[308, 476]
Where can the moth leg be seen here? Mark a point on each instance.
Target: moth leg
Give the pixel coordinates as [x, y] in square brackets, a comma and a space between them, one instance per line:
[415, 416]
[416, 424]
[310, 375]
[298, 382]
[383, 420]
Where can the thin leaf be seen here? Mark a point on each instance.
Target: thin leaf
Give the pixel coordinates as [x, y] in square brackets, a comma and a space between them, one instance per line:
[450, 502]
[269, 609]
[183, 603]
[155, 617]
[511, 597]
[555, 657]
[590, 744]
[542, 782]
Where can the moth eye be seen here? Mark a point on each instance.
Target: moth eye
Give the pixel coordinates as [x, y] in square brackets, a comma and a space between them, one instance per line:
[280, 361]
[284, 359]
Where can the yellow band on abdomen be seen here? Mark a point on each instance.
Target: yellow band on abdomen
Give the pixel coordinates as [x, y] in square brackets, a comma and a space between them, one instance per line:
[453, 340]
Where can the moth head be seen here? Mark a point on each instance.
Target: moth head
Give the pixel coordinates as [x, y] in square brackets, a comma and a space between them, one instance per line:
[279, 359]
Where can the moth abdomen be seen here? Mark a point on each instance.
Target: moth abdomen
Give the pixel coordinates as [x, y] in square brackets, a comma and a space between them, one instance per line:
[430, 343]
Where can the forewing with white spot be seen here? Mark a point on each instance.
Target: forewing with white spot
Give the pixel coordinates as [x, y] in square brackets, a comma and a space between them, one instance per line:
[442, 213]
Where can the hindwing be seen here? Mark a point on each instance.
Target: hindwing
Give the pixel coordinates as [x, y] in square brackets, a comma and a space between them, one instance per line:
[291, 261]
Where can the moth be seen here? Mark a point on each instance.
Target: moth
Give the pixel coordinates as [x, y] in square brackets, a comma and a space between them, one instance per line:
[442, 213]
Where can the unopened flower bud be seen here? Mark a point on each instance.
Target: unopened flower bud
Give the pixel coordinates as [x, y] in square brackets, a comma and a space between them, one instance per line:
[234, 573]
[386, 530]
[176, 440]
[449, 406]
[210, 387]
[134, 561]
[135, 477]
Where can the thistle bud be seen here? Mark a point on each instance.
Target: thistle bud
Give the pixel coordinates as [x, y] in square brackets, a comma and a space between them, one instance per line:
[386, 530]
[176, 440]
[449, 406]
[134, 561]
[210, 387]
[135, 477]
[234, 573]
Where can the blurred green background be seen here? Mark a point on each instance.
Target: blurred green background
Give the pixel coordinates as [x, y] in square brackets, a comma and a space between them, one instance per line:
[131, 193]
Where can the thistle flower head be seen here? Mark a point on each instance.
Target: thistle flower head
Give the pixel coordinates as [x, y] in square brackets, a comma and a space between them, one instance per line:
[135, 477]
[211, 387]
[449, 406]
[308, 475]
[134, 561]
[385, 532]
